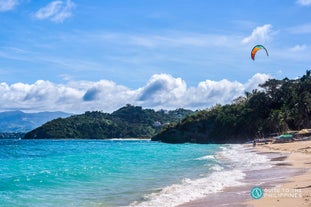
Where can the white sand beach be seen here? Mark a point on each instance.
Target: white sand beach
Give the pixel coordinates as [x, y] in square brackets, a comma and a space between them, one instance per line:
[287, 184]
[297, 190]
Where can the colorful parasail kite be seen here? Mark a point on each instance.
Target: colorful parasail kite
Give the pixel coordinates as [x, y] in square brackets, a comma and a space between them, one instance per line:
[255, 49]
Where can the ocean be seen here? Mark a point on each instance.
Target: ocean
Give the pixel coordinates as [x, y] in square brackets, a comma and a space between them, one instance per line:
[118, 172]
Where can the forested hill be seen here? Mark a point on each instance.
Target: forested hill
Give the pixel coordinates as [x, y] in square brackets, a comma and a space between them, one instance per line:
[127, 122]
[281, 105]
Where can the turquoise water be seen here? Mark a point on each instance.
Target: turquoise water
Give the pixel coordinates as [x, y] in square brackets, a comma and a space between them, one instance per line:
[101, 172]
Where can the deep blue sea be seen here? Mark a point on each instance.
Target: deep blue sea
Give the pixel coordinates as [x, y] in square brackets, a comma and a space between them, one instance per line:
[117, 172]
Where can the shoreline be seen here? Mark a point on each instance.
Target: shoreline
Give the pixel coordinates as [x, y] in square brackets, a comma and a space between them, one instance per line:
[290, 172]
[296, 190]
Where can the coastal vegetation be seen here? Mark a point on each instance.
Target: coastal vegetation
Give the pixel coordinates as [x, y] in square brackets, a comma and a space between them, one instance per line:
[278, 106]
[127, 122]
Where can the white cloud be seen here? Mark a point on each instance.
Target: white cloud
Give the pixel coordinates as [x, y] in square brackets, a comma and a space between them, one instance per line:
[304, 2]
[210, 92]
[56, 11]
[50, 10]
[259, 34]
[170, 39]
[298, 48]
[257, 79]
[6, 5]
[161, 91]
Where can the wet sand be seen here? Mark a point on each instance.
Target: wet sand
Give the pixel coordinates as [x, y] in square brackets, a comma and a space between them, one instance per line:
[296, 191]
[287, 183]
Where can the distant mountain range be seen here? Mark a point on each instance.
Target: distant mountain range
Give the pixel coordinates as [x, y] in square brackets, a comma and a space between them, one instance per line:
[18, 121]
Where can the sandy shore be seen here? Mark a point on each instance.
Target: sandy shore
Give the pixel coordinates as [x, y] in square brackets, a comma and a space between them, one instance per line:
[287, 184]
[296, 191]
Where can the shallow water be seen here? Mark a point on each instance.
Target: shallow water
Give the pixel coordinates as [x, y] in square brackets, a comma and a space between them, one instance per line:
[115, 172]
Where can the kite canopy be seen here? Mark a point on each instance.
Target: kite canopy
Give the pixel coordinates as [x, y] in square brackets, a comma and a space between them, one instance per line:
[255, 49]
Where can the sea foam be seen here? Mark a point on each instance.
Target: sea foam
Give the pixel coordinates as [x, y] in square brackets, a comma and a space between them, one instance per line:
[228, 170]
[206, 157]
[189, 190]
[240, 157]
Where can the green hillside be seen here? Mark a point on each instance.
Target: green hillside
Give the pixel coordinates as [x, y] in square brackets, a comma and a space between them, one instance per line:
[127, 122]
[279, 106]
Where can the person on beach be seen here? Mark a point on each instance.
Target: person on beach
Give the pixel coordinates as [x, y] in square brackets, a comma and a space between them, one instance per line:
[254, 143]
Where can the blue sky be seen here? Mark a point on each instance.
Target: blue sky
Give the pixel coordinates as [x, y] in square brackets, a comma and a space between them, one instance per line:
[76, 55]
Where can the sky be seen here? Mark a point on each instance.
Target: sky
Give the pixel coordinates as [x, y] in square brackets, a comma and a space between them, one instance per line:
[78, 55]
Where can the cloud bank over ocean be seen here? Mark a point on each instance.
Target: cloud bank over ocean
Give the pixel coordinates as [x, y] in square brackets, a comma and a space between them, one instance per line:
[161, 91]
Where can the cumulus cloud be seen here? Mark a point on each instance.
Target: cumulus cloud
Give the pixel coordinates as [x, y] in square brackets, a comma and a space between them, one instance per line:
[91, 94]
[161, 91]
[6, 5]
[304, 2]
[254, 81]
[56, 11]
[39, 96]
[259, 34]
[209, 92]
